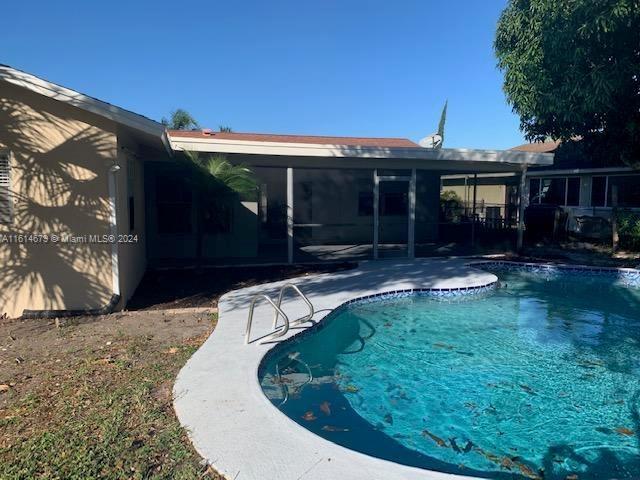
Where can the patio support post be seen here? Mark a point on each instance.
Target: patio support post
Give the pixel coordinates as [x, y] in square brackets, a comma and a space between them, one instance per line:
[473, 211]
[522, 206]
[290, 214]
[411, 247]
[376, 219]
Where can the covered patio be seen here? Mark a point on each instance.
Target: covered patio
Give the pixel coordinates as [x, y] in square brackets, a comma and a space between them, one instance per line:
[339, 198]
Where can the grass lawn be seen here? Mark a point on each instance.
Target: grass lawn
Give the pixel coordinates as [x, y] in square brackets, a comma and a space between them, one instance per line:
[91, 397]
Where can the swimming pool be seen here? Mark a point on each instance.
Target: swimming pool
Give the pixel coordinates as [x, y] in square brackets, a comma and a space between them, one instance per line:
[537, 378]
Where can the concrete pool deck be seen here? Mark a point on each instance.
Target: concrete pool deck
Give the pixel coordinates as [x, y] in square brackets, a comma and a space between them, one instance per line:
[232, 424]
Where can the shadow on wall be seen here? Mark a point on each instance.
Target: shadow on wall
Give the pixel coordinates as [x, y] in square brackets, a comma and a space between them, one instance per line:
[59, 187]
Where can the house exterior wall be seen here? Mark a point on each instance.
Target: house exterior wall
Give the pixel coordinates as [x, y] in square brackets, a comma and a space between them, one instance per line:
[132, 255]
[59, 162]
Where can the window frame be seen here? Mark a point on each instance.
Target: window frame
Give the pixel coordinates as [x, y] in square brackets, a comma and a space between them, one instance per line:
[7, 154]
[607, 184]
[566, 178]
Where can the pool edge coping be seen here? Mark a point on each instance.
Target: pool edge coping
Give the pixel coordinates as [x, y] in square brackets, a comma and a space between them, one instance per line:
[401, 471]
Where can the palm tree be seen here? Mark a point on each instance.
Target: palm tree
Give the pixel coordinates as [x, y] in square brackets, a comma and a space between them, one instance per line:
[217, 182]
[218, 185]
[180, 120]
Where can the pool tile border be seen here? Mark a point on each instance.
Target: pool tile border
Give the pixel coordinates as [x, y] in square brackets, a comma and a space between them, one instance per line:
[629, 276]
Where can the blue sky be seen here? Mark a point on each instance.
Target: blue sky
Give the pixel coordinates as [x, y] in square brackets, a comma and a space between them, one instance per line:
[325, 67]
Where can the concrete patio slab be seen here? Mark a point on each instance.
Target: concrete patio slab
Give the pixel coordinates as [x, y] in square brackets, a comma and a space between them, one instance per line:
[218, 398]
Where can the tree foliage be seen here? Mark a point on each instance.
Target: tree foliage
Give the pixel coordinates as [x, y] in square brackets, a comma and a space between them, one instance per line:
[221, 176]
[180, 120]
[572, 69]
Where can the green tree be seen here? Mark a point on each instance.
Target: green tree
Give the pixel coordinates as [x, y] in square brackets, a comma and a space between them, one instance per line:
[180, 120]
[572, 71]
[225, 129]
[218, 184]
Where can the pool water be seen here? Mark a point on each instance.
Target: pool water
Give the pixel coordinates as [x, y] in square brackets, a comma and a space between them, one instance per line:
[537, 379]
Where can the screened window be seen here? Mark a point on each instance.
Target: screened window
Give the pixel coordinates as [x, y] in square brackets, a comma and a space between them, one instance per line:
[394, 203]
[598, 191]
[573, 191]
[6, 202]
[627, 190]
[173, 203]
[365, 204]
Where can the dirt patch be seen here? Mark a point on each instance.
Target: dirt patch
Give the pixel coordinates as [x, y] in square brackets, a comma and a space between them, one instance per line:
[187, 288]
[90, 397]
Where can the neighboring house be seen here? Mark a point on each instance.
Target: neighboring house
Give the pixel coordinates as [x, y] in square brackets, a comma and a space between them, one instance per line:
[585, 188]
[76, 169]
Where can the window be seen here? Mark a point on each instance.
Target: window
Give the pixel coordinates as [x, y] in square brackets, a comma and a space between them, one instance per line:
[552, 191]
[627, 190]
[6, 202]
[365, 204]
[173, 204]
[573, 191]
[598, 191]
[562, 191]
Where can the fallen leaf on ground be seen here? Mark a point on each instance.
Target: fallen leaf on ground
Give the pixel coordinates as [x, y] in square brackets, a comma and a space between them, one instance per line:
[4, 388]
[309, 416]
[172, 350]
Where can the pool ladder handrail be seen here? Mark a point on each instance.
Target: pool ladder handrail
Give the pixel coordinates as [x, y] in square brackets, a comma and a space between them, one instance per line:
[277, 331]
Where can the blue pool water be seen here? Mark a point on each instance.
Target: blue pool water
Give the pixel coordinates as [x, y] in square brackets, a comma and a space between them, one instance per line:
[537, 379]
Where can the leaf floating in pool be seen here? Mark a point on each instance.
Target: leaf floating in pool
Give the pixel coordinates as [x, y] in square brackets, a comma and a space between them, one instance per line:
[388, 418]
[325, 407]
[440, 442]
[573, 476]
[309, 416]
[388, 324]
[527, 389]
[454, 445]
[527, 472]
[507, 463]
[604, 430]
[624, 431]
[330, 428]
[443, 345]
[351, 389]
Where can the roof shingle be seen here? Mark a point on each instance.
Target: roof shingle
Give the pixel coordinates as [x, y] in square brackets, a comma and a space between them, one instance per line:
[312, 139]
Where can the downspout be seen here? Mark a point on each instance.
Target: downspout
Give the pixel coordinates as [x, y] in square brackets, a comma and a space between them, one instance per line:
[115, 275]
[113, 229]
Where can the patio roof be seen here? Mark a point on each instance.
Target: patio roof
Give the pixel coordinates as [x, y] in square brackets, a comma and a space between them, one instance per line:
[302, 152]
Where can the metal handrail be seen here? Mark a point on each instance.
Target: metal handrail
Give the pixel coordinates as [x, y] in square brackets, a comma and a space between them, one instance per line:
[291, 286]
[277, 332]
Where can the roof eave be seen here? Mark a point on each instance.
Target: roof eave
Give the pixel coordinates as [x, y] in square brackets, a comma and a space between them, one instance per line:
[85, 102]
[318, 150]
